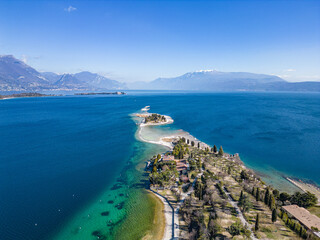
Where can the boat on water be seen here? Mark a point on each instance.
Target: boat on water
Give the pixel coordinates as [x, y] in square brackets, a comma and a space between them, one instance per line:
[145, 109]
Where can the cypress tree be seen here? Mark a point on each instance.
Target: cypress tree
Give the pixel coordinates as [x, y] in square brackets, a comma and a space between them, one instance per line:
[258, 194]
[198, 144]
[256, 226]
[215, 149]
[269, 201]
[154, 169]
[220, 151]
[241, 196]
[274, 215]
[266, 197]
[293, 226]
[253, 191]
[272, 203]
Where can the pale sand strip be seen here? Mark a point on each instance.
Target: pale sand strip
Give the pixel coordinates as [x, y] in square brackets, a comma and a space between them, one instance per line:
[169, 215]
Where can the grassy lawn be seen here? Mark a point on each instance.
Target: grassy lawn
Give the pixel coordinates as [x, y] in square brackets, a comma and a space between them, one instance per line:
[315, 210]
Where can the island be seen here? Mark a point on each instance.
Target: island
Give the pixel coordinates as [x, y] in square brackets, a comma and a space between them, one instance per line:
[210, 194]
[23, 95]
[102, 93]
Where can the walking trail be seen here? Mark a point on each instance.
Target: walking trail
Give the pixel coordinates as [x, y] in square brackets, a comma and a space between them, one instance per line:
[242, 219]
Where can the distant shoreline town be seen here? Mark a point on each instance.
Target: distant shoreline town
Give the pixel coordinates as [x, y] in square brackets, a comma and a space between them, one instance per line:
[207, 192]
[23, 95]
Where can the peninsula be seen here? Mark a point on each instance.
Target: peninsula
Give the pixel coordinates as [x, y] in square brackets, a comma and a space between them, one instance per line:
[23, 95]
[210, 194]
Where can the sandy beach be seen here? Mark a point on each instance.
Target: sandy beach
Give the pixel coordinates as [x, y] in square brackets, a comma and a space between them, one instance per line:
[167, 212]
[157, 233]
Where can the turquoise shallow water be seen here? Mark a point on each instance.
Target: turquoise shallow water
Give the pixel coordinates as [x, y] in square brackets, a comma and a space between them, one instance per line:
[60, 156]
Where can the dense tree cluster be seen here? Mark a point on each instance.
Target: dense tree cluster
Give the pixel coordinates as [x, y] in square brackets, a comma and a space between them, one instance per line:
[154, 117]
[304, 199]
[180, 149]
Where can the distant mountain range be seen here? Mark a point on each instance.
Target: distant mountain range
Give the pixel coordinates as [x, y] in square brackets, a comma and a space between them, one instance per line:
[210, 80]
[15, 75]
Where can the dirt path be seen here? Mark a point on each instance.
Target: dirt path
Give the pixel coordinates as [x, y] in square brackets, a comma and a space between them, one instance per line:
[242, 219]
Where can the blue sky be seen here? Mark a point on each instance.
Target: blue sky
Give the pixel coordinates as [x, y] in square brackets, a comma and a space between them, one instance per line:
[143, 40]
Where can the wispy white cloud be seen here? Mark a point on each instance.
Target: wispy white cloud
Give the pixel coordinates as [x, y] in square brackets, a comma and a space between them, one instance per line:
[70, 9]
[290, 70]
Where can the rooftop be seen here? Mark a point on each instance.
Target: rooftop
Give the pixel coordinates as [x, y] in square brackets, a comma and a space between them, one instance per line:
[303, 215]
[168, 158]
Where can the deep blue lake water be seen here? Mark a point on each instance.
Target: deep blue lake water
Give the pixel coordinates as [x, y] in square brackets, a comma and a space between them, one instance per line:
[59, 153]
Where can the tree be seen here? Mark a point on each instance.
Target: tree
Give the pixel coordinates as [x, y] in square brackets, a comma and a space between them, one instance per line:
[245, 203]
[272, 202]
[188, 141]
[266, 197]
[304, 199]
[215, 149]
[220, 151]
[235, 229]
[158, 157]
[284, 197]
[154, 169]
[274, 215]
[258, 194]
[253, 192]
[198, 144]
[256, 226]
[199, 187]
[214, 228]
[241, 196]
[244, 175]
[275, 193]
[181, 154]
[192, 143]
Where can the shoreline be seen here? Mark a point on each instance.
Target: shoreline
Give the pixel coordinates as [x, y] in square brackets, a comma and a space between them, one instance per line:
[167, 142]
[167, 213]
[306, 187]
[159, 219]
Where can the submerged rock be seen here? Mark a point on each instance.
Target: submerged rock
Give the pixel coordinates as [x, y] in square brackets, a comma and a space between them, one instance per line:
[99, 235]
[115, 187]
[120, 205]
[106, 213]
